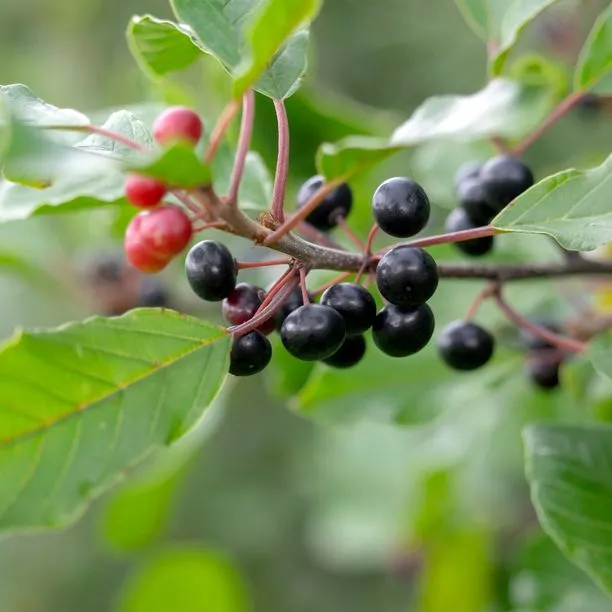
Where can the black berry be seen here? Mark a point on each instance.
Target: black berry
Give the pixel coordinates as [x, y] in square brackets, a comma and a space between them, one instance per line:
[407, 276]
[465, 346]
[153, 293]
[466, 171]
[250, 354]
[543, 370]
[242, 303]
[211, 270]
[401, 207]
[459, 220]
[349, 354]
[354, 303]
[337, 204]
[533, 342]
[589, 103]
[313, 332]
[293, 302]
[472, 199]
[399, 332]
[504, 178]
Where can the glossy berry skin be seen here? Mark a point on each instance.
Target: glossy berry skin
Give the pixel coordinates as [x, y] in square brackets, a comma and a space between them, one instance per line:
[354, 303]
[313, 332]
[407, 276]
[543, 372]
[241, 305]
[459, 220]
[349, 354]
[463, 345]
[473, 200]
[293, 302]
[399, 332]
[503, 179]
[250, 354]
[177, 124]
[535, 343]
[401, 207]
[337, 204]
[468, 170]
[144, 191]
[211, 270]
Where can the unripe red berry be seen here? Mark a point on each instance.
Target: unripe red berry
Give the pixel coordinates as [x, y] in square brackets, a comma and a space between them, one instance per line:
[139, 253]
[177, 124]
[144, 191]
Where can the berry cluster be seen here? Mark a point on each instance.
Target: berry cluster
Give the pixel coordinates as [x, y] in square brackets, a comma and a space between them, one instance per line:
[160, 231]
[483, 191]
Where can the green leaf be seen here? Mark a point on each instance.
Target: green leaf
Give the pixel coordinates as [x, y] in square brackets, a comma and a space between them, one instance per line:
[161, 47]
[178, 165]
[595, 61]
[569, 469]
[475, 12]
[82, 403]
[188, 579]
[571, 206]
[221, 27]
[272, 27]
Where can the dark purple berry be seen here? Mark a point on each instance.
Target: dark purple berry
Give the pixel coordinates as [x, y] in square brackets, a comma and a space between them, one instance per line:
[153, 293]
[211, 270]
[535, 343]
[336, 204]
[399, 332]
[472, 199]
[401, 207]
[250, 354]
[349, 354]
[241, 305]
[465, 346]
[543, 369]
[504, 178]
[458, 220]
[293, 302]
[407, 276]
[468, 170]
[354, 303]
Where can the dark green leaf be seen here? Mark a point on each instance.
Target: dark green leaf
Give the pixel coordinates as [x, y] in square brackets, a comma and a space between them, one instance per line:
[81, 403]
[571, 206]
[266, 35]
[569, 468]
[160, 46]
[188, 579]
[595, 62]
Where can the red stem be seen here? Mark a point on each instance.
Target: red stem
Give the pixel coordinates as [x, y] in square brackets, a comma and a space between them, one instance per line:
[282, 162]
[222, 225]
[344, 226]
[370, 239]
[277, 286]
[304, 288]
[222, 125]
[92, 129]
[244, 142]
[316, 236]
[487, 293]
[554, 116]
[245, 265]
[561, 342]
[337, 279]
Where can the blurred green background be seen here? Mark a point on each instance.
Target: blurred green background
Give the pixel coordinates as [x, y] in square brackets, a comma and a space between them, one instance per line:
[426, 510]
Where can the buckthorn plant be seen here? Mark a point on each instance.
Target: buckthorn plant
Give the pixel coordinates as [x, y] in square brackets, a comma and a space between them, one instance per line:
[428, 288]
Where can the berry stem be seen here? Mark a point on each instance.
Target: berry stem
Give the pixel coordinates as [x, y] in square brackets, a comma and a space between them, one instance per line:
[301, 214]
[100, 131]
[221, 127]
[487, 293]
[559, 111]
[303, 287]
[282, 162]
[317, 236]
[344, 226]
[245, 265]
[370, 239]
[334, 281]
[221, 225]
[244, 142]
[561, 342]
[277, 286]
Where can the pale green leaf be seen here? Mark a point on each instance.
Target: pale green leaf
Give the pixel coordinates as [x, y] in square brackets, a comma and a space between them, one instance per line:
[160, 46]
[569, 468]
[188, 579]
[595, 61]
[571, 206]
[475, 12]
[82, 403]
[265, 36]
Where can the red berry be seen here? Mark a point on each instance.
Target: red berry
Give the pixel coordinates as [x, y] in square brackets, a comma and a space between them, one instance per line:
[177, 123]
[139, 253]
[144, 191]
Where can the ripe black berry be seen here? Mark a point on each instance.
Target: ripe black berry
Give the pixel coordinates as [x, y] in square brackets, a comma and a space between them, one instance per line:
[250, 354]
[459, 220]
[401, 207]
[399, 332]
[349, 354]
[313, 332]
[504, 178]
[354, 303]
[338, 203]
[407, 276]
[543, 370]
[153, 293]
[466, 171]
[293, 302]
[211, 270]
[465, 346]
[472, 199]
[535, 343]
[242, 303]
